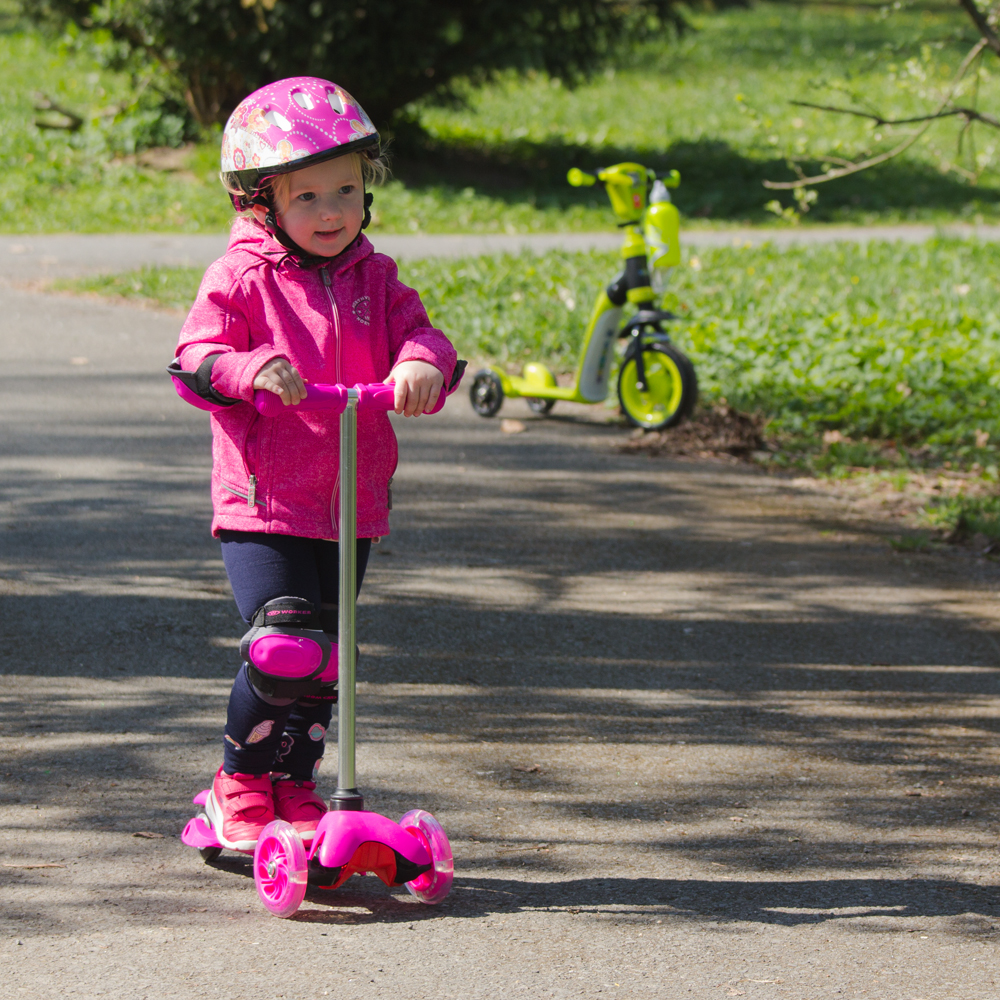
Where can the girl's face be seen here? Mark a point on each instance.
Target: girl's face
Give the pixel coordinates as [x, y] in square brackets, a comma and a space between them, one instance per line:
[323, 206]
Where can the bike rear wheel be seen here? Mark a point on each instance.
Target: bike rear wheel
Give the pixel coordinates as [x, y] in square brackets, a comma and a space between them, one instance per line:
[671, 388]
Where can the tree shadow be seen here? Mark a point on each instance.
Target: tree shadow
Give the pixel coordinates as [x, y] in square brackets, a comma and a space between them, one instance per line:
[718, 181]
[485, 659]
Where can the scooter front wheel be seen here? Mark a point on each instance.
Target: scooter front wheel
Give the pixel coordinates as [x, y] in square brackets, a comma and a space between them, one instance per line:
[432, 886]
[670, 392]
[280, 869]
[486, 393]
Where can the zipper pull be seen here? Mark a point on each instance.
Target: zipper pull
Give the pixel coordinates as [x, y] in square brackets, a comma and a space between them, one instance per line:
[326, 277]
[252, 493]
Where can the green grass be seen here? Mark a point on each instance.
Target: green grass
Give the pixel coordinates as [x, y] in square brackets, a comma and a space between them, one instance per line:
[884, 343]
[716, 105]
[161, 287]
[497, 162]
[910, 543]
[967, 516]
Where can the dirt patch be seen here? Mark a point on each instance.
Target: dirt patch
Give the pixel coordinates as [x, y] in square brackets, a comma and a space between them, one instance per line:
[721, 431]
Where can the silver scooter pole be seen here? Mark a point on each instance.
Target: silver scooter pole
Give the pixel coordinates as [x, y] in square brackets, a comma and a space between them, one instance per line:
[347, 797]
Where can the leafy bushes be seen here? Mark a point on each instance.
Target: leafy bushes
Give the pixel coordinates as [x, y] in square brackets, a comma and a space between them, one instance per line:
[885, 341]
[388, 52]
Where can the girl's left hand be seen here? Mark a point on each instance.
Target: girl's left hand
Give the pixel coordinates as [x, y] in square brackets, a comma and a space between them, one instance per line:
[418, 385]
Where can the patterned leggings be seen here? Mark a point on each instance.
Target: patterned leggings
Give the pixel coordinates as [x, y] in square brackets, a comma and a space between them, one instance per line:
[266, 734]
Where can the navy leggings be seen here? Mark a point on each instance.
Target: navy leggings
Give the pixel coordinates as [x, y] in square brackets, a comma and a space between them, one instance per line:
[262, 736]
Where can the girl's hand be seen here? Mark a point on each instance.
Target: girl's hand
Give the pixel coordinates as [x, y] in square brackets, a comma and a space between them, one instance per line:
[283, 380]
[418, 385]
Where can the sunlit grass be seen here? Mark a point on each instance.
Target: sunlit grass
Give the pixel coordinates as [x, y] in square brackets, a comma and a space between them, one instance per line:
[713, 103]
[884, 342]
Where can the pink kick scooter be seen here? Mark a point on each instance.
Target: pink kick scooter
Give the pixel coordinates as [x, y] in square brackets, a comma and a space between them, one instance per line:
[349, 840]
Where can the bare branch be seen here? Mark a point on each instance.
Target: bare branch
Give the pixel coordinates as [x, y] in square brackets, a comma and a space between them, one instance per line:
[832, 175]
[839, 160]
[71, 122]
[983, 26]
[969, 114]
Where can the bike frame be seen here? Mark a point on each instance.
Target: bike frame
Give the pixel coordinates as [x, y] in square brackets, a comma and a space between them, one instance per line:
[641, 243]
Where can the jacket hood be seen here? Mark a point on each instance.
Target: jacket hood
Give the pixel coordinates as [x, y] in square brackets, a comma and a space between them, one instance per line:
[250, 236]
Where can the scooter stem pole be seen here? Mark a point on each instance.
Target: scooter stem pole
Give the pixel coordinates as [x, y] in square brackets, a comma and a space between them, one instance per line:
[347, 797]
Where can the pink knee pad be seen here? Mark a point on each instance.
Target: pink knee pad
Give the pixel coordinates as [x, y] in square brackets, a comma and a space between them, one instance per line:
[284, 657]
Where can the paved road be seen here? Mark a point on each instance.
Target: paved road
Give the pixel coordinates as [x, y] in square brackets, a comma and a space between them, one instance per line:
[692, 733]
[29, 258]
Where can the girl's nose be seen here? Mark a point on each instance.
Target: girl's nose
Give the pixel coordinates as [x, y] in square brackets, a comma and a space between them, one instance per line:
[330, 208]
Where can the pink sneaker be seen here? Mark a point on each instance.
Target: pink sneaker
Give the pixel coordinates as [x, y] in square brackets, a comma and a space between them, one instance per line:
[239, 807]
[297, 803]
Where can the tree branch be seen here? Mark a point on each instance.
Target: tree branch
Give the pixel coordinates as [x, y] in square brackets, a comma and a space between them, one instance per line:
[989, 35]
[832, 175]
[73, 122]
[969, 114]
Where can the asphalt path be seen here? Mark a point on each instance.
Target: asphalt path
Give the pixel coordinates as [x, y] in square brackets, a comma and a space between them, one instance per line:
[692, 731]
[28, 258]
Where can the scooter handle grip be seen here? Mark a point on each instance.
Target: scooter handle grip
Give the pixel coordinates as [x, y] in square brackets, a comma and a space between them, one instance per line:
[376, 397]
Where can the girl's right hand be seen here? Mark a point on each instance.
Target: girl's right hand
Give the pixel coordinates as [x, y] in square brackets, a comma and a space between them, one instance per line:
[279, 377]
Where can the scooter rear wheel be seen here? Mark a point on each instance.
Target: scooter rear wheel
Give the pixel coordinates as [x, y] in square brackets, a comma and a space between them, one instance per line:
[486, 393]
[432, 886]
[671, 388]
[540, 406]
[280, 869]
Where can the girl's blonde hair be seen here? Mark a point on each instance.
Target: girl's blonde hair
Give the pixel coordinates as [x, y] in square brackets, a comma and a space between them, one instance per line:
[372, 164]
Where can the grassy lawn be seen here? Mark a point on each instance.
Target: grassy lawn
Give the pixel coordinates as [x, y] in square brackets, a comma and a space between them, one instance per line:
[892, 347]
[714, 104]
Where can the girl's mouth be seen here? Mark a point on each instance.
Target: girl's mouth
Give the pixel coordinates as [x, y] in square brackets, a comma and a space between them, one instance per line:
[327, 235]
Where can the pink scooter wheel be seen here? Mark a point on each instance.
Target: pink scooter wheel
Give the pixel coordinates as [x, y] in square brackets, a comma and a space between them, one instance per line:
[280, 868]
[432, 886]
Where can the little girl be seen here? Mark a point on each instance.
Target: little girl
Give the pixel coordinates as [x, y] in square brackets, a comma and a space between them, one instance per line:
[300, 296]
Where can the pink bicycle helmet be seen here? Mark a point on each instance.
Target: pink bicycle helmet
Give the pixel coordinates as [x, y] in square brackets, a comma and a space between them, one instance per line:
[286, 126]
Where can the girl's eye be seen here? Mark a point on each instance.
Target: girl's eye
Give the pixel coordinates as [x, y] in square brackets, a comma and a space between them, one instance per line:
[307, 196]
[346, 189]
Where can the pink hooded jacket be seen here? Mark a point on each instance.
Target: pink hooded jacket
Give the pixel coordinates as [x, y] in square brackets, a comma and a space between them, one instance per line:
[348, 321]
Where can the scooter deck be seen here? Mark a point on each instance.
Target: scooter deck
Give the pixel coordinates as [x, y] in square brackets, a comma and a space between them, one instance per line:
[198, 832]
[345, 844]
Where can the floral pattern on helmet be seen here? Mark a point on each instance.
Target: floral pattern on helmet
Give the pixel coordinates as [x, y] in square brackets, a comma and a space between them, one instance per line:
[290, 120]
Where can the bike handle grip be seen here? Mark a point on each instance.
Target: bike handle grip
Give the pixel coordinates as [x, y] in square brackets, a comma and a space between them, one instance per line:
[579, 178]
[376, 397]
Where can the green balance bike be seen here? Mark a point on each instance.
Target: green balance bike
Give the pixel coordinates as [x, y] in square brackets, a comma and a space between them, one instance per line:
[657, 385]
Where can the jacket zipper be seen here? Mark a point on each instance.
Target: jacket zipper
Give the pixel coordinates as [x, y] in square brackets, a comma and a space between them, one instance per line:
[327, 283]
[250, 497]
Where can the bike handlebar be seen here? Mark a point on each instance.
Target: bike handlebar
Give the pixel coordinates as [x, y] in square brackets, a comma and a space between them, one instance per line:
[375, 397]
[610, 175]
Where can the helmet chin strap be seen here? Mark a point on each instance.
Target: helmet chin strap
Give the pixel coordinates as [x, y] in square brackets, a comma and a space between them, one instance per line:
[306, 259]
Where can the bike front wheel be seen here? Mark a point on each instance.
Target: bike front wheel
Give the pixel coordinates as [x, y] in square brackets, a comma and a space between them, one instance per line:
[671, 388]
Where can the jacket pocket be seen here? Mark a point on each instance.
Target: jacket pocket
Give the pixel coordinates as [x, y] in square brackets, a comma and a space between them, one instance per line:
[249, 493]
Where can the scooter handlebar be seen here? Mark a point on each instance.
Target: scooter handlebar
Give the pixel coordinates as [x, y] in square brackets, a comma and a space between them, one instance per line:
[376, 397]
